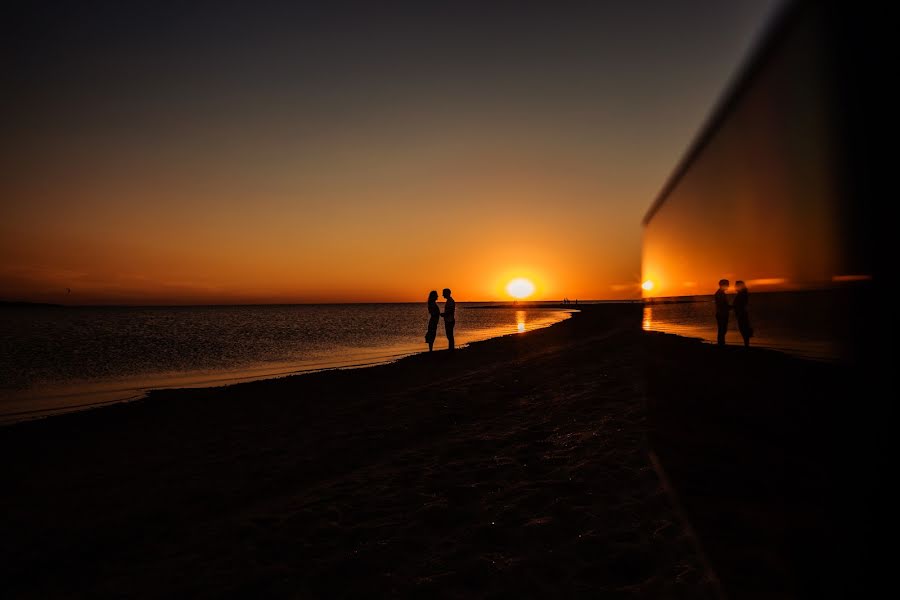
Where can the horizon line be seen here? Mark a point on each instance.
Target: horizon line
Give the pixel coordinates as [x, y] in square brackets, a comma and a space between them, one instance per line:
[176, 305]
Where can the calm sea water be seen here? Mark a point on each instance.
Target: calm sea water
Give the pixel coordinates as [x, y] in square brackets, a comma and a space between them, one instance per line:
[60, 359]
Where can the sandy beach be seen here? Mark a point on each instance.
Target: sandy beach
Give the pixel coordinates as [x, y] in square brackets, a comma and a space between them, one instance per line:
[567, 461]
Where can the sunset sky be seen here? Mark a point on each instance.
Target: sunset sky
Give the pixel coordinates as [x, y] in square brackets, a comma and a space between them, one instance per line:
[272, 152]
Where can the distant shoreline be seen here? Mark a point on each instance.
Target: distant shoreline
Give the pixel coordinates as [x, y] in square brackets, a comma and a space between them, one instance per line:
[467, 303]
[24, 304]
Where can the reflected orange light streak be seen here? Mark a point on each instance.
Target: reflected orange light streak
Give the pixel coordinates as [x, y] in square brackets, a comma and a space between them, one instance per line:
[767, 281]
[520, 321]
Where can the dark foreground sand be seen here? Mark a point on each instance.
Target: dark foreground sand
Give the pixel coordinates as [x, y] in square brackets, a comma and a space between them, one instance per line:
[519, 466]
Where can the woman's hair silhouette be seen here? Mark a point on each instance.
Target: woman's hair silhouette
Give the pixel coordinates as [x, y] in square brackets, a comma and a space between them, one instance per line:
[434, 315]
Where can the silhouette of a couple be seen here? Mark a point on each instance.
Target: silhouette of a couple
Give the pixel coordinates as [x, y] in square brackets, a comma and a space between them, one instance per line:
[740, 308]
[435, 314]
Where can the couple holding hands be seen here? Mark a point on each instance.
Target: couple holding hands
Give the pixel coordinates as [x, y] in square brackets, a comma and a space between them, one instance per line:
[435, 314]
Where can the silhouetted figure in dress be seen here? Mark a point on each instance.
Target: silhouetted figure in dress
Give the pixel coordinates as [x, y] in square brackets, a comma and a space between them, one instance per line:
[722, 308]
[449, 315]
[434, 315]
[741, 312]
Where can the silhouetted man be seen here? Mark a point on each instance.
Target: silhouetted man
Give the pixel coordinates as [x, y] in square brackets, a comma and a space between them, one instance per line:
[722, 310]
[742, 312]
[449, 315]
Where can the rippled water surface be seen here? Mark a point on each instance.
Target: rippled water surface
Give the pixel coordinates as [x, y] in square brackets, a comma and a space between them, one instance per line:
[54, 359]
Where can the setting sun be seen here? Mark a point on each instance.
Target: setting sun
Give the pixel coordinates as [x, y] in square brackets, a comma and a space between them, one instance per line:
[647, 285]
[520, 288]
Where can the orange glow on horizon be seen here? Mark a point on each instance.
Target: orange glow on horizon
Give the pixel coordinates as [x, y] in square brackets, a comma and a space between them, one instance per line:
[194, 250]
[197, 266]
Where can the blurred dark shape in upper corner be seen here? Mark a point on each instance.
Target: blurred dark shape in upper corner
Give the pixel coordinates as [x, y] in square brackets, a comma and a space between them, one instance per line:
[783, 185]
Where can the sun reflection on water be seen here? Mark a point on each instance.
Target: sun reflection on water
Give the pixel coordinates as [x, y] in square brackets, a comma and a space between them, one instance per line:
[520, 320]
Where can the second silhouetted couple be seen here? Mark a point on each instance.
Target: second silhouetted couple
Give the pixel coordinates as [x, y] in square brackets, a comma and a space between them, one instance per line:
[740, 307]
[435, 314]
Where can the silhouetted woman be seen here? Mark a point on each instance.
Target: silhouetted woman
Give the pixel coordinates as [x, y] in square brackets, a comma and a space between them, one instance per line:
[741, 313]
[722, 308]
[434, 316]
